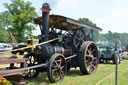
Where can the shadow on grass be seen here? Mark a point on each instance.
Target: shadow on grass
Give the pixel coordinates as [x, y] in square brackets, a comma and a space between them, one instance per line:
[74, 72]
[42, 78]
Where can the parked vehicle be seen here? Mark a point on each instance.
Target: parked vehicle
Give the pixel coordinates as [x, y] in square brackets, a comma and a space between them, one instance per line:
[107, 53]
[2, 48]
[30, 42]
[20, 45]
[5, 47]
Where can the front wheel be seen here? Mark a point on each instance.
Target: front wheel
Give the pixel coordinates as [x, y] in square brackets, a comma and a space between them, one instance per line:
[57, 68]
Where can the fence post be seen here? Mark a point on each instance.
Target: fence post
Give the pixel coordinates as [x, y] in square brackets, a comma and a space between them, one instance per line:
[116, 70]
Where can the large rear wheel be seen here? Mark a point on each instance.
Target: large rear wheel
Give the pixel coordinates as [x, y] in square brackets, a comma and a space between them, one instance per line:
[88, 57]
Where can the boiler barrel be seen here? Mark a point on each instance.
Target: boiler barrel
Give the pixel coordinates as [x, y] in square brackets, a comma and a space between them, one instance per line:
[48, 50]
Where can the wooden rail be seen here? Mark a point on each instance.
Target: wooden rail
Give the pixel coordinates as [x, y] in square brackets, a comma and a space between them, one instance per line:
[9, 63]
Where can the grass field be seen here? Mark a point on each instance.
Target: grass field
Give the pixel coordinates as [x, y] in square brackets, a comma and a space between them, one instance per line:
[74, 76]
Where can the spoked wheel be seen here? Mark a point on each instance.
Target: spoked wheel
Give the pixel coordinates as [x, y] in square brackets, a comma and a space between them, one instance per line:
[88, 57]
[57, 67]
[79, 38]
[31, 62]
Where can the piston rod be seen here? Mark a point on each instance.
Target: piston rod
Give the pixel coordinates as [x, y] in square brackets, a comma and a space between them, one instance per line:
[71, 57]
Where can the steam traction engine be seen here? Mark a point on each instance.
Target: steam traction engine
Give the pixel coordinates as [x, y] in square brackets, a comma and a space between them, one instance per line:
[73, 47]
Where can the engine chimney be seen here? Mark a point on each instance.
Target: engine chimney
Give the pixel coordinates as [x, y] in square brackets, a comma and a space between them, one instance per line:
[45, 17]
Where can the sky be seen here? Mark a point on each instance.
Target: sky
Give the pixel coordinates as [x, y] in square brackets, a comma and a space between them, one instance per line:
[110, 15]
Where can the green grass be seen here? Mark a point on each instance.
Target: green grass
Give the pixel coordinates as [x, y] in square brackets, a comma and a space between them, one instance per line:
[74, 76]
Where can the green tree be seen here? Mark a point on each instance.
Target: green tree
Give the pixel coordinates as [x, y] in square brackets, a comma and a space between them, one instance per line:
[4, 37]
[22, 14]
[89, 22]
[5, 22]
[102, 37]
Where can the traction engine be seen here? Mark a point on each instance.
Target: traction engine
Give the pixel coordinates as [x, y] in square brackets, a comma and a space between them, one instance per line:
[72, 48]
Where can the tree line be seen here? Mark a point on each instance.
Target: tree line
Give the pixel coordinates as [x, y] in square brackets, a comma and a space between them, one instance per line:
[110, 38]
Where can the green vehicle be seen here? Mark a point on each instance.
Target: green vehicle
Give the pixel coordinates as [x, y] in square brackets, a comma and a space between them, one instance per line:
[107, 53]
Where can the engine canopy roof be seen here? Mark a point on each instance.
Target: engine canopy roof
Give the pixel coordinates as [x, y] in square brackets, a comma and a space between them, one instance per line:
[65, 23]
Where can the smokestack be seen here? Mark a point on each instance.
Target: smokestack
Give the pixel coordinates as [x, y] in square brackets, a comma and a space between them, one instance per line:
[45, 17]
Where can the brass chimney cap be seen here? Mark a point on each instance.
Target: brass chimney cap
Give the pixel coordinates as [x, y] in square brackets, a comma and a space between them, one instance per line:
[45, 7]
